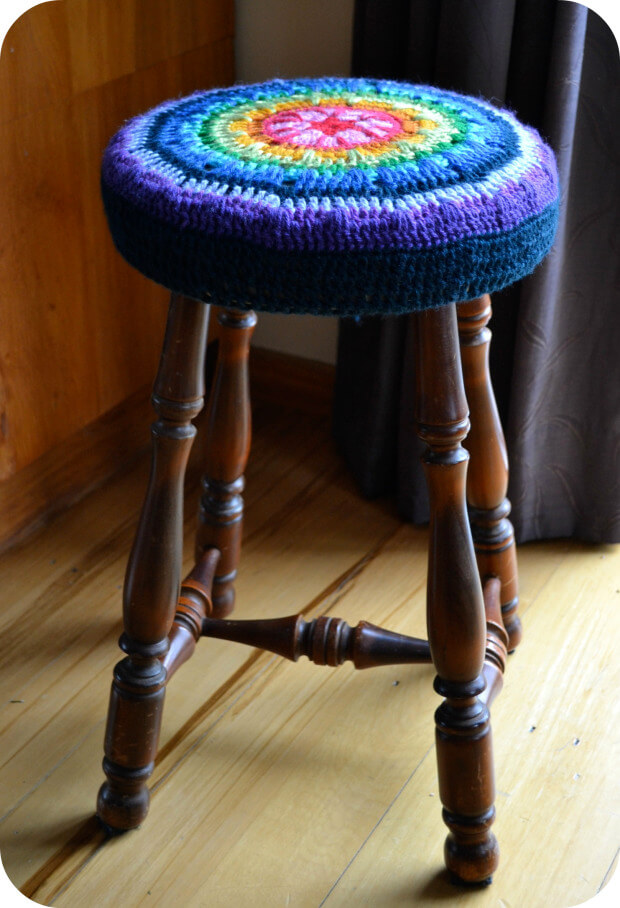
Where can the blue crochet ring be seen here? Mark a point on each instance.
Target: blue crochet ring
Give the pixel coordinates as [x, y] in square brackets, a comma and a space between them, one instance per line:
[331, 196]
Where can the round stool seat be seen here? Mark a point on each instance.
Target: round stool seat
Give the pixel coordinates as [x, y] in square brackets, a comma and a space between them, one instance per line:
[330, 196]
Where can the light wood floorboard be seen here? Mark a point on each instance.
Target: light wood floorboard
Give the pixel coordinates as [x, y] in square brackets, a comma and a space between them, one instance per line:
[281, 784]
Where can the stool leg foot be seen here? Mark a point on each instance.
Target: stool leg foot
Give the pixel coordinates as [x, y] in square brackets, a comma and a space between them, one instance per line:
[229, 430]
[487, 479]
[455, 609]
[153, 574]
[134, 721]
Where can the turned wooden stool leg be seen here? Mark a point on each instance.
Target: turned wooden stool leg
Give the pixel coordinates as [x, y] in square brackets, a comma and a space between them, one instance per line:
[455, 610]
[153, 574]
[228, 427]
[487, 479]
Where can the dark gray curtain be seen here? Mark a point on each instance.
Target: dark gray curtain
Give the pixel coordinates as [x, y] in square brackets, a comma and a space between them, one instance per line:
[555, 356]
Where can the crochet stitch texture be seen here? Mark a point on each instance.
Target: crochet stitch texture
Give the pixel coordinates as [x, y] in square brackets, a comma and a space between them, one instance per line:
[330, 196]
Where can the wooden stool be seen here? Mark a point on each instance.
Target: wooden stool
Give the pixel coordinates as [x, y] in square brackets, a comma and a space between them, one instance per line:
[342, 197]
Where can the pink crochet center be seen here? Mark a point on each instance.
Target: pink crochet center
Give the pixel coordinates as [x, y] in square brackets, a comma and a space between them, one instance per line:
[331, 127]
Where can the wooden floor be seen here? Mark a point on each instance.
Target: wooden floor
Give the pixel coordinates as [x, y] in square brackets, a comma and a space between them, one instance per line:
[281, 784]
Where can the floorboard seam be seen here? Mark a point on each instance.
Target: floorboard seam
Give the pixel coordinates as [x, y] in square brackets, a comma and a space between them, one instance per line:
[375, 827]
[43, 778]
[68, 883]
[608, 872]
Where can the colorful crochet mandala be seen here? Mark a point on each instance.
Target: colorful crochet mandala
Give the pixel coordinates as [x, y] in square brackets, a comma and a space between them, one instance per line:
[332, 196]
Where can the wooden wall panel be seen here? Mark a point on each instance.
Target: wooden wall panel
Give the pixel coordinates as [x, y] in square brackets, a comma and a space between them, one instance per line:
[117, 37]
[80, 330]
[34, 64]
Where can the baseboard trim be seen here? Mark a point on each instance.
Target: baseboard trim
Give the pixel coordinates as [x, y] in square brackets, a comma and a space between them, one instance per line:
[303, 384]
[65, 474]
[62, 476]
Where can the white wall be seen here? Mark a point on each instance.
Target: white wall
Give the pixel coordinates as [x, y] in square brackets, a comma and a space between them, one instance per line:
[288, 38]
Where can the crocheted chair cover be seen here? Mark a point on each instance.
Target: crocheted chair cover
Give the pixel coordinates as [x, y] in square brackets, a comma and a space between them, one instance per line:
[330, 196]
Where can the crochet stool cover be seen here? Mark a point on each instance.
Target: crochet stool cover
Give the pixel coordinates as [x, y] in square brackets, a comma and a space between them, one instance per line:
[330, 196]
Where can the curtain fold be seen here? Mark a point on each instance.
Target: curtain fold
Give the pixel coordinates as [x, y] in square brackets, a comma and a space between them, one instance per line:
[555, 354]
